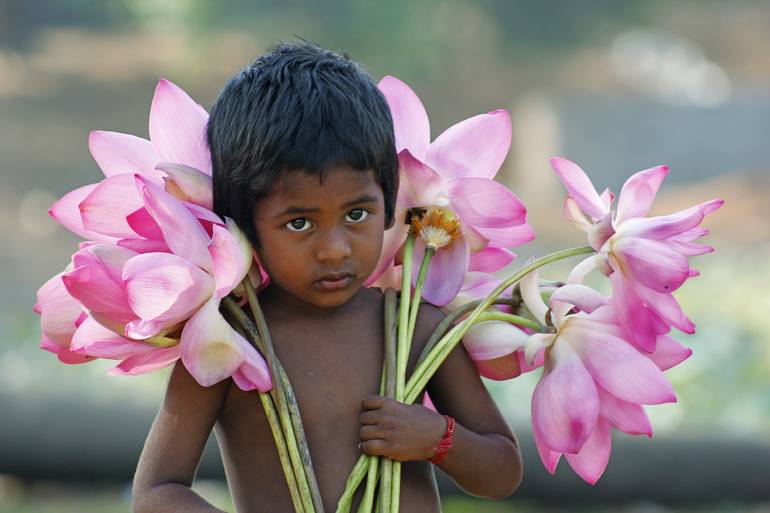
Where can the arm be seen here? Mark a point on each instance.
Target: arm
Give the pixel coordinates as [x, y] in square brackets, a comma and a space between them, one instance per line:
[174, 446]
[484, 459]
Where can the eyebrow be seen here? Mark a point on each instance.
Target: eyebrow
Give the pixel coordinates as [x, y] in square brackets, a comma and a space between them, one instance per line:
[366, 198]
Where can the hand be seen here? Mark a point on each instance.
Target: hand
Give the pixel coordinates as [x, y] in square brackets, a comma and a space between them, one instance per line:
[399, 431]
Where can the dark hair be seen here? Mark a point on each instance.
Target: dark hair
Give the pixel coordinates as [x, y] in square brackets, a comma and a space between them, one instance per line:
[297, 107]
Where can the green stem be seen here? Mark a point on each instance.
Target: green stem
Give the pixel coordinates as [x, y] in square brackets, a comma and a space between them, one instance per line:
[402, 349]
[291, 421]
[427, 368]
[392, 376]
[402, 346]
[429, 252]
[387, 387]
[496, 315]
[245, 327]
[451, 318]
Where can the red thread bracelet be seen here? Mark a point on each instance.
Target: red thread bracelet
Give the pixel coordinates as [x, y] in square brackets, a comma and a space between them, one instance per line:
[446, 442]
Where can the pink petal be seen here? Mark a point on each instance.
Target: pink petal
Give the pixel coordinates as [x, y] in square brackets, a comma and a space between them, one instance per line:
[593, 457]
[190, 184]
[66, 212]
[105, 209]
[668, 353]
[507, 237]
[178, 128]
[663, 227]
[144, 225]
[118, 154]
[446, 272]
[165, 287]
[492, 339]
[94, 285]
[146, 362]
[490, 260]
[639, 192]
[93, 339]
[572, 213]
[209, 348]
[638, 320]
[419, 185]
[62, 353]
[666, 308]
[230, 257]
[565, 404]
[579, 186]
[410, 121]
[618, 367]
[627, 417]
[144, 245]
[582, 296]
[59, 311]
[600, 232]
[393, 239]
[485, 203]
[530, 294]
[181, 230]
[499, 369]
[253, 372]
[475, 147]
[581, 270]
[652, 262]
[549, 458]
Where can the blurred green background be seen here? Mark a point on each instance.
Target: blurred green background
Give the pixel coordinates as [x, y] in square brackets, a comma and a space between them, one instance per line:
[614, 86]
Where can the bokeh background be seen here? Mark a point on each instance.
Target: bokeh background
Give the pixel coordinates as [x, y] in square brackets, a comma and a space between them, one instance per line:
[614, 86]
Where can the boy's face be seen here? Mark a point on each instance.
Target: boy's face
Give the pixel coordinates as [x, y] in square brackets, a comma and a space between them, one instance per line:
[319, 241]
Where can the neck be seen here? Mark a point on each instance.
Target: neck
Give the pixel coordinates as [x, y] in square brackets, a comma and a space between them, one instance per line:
[282, 304]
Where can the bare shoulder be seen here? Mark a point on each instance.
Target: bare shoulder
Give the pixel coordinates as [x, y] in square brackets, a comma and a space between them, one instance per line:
[187, 408]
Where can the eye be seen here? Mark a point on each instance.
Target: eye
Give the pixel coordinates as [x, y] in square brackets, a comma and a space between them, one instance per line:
[356, 215]
[299, 225]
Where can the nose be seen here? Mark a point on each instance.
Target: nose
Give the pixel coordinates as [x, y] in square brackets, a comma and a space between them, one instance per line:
[334, 247]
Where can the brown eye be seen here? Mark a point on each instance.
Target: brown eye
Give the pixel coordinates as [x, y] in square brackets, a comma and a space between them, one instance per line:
[356, 215]
[299, 225]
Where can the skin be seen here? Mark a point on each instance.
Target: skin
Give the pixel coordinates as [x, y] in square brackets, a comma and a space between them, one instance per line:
[331, 344]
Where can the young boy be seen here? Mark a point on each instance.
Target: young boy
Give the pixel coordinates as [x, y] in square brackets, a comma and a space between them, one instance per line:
[304, 160]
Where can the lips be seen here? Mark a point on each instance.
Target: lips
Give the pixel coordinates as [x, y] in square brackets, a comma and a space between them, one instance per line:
[334, 281]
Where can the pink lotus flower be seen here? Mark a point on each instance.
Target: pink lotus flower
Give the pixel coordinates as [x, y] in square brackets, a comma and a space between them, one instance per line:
[176, 155]
[146, 296]
[454, 173]
[593, 379]
[645, 258]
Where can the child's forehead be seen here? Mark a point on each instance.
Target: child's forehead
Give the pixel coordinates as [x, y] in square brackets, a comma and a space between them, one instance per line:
[331, 184]
[341, 185]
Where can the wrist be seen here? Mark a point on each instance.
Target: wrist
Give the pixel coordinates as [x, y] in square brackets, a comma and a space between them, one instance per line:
[446, 442]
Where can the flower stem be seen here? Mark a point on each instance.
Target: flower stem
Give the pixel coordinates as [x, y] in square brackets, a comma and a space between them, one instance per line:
[451, 318]
[429, 252]
[245, 327]
[496, 315]
[288, 412]
[430, 365]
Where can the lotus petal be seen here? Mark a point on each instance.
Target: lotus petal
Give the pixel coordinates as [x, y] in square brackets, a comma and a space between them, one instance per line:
[639, 192]
[475, 147]
[178, 128]
[209, 348]
[118, 154]
[565, 403]
[410, 121]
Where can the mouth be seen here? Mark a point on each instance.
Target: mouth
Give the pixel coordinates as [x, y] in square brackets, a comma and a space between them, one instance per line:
[334, 281]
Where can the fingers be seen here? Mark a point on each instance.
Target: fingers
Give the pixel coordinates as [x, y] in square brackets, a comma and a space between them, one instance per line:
[374, 447]
[372, 432]
[373, 402]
